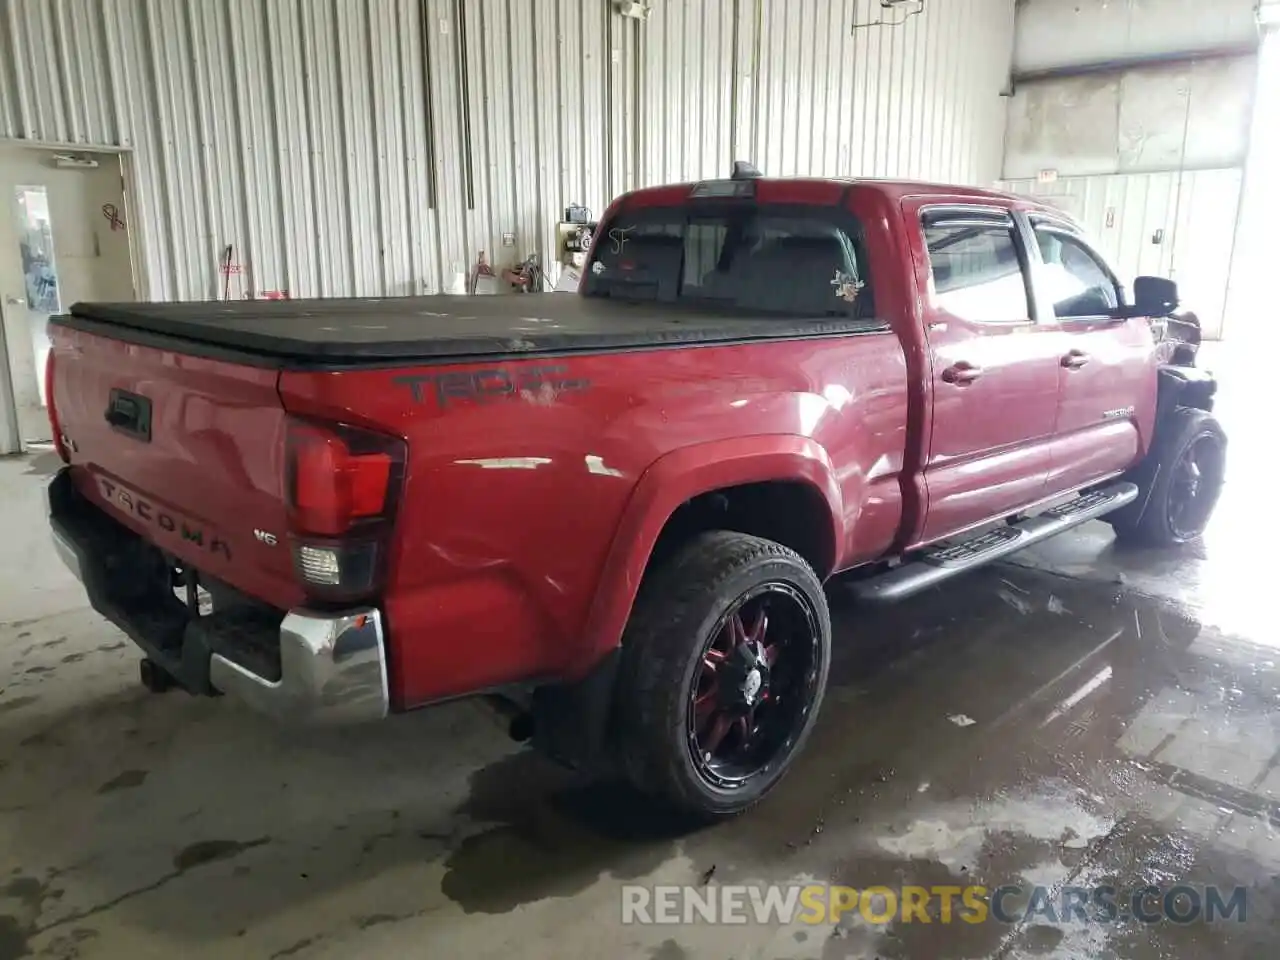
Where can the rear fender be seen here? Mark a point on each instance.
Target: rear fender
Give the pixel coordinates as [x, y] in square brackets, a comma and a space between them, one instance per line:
[677, 477]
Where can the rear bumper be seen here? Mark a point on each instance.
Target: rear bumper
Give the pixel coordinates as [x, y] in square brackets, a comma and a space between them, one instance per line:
[333, 670]
[305, 666]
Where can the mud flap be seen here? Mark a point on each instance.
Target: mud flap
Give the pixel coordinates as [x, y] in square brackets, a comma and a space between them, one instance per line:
[572, 722]
[1178, 387]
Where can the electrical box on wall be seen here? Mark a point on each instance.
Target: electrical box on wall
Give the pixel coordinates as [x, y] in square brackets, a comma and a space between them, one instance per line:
[632, 9]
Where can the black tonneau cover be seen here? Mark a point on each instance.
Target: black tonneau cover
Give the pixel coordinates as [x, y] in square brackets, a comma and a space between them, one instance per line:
[440, 327]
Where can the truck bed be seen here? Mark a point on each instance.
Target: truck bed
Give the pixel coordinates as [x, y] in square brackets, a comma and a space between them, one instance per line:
[435, 328]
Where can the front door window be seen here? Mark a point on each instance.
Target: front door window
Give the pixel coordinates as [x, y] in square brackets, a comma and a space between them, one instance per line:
[1078, 284]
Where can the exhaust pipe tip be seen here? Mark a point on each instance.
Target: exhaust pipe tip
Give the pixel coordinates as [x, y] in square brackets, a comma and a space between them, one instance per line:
[519, 720]
[521, 728]
[154, 677]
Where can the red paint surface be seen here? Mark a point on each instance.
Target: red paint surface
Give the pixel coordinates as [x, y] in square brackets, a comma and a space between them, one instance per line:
[216, 457]
[525, 523]
[513, 508]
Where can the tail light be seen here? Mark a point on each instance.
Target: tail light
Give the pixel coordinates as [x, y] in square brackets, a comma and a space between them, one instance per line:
[342, 485]
[55, 427]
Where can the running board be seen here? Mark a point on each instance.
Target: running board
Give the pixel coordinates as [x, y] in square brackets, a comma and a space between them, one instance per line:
[946, 560]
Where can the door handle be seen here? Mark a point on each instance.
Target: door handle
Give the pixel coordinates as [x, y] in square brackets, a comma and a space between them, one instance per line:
[961, 373]
[1075, 359]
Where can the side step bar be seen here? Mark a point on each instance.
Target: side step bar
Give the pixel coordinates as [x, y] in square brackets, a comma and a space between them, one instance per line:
[946, 560]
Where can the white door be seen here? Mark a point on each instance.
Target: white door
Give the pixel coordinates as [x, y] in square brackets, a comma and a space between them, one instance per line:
[63, 238]
[1204, 243]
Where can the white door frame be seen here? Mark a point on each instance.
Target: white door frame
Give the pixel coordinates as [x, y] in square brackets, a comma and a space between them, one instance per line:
[10, 432]
[1260, 196]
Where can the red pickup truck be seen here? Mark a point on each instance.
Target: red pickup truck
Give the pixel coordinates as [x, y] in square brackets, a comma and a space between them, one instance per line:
[613, 513]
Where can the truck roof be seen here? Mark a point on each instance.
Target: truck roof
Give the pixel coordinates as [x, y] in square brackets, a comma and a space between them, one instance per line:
[894, 189]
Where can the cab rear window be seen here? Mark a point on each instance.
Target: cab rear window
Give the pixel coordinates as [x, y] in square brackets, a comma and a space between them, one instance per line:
[791, 261]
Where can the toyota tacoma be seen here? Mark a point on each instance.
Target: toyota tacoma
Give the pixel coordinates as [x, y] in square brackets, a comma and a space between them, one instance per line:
[613, 513]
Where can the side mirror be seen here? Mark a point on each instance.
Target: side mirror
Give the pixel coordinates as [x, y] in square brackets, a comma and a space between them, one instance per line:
[1154, 297]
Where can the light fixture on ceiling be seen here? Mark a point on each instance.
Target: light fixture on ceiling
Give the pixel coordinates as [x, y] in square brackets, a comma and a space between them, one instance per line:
[69, 161]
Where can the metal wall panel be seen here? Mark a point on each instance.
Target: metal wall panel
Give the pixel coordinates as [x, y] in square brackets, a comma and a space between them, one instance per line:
[1193, 114]
[1193, 214]
[687, 66]
[817, 88]
[367, 147]
[1053, 34]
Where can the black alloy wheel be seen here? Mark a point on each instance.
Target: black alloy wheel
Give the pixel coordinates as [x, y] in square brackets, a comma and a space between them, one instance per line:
[724, 665]
[751, 692]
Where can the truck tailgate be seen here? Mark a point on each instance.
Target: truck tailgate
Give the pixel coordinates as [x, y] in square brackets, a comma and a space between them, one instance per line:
[187, 451]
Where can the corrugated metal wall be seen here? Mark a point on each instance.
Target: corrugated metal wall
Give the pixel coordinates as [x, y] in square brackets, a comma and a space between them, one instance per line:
[1176, 225]
[806, 87]
[373, 147]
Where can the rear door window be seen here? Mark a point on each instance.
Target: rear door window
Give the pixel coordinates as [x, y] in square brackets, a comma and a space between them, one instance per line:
[772, 259]
[977, 272]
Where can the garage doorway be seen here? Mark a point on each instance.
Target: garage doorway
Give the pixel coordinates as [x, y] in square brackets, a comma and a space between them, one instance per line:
[64, 237]
[1252, 278]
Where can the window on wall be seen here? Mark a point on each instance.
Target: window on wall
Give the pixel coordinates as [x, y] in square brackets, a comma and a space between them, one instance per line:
[35, 245]
[977, 274]
[1077, 282]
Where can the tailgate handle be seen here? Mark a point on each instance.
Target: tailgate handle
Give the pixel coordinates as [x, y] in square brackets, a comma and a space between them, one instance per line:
[130, 413]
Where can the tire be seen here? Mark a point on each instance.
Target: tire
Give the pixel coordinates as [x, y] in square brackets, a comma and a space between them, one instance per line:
[1153, 519]
[704, 600]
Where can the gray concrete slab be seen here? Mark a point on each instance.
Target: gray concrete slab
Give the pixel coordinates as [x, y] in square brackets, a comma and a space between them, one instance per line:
[1125, 730]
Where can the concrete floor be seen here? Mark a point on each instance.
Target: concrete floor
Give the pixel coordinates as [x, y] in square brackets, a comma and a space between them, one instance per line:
[1125, 728]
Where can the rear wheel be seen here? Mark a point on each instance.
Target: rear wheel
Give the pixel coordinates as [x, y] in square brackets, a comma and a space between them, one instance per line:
[1180, 485]
[725, 661]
